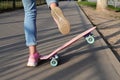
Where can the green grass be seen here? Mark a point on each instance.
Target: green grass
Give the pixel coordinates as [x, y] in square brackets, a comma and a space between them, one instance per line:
[93, 5]
[86, 3]
[8, 5]
[113, 8]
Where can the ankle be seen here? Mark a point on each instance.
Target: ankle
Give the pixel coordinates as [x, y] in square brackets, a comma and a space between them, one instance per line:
[32, 49]
[53, 5]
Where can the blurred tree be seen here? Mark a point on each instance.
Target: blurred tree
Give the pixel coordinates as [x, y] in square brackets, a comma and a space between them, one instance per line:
[81, 0]
[102, 5]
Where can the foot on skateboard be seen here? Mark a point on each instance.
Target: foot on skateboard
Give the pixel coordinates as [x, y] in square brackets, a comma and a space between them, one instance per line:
[33, 60]
[62, 22]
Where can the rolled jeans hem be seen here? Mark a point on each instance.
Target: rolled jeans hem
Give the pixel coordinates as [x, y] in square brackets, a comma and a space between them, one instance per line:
[51, 1]
[31, 44]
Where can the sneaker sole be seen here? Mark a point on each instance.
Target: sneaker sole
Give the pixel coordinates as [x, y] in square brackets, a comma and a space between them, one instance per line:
[33, 62]
[32, 65]
[62, 22]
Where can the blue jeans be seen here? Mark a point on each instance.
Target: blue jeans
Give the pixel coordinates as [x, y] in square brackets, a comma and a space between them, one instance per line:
[30, 20]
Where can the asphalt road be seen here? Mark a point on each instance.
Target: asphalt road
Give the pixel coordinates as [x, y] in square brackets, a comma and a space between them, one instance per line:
[80, 61]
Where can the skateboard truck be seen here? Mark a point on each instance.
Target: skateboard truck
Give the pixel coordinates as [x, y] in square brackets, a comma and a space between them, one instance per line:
[90, 38]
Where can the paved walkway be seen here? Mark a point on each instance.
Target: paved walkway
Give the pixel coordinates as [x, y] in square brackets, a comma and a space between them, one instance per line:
[79, 61]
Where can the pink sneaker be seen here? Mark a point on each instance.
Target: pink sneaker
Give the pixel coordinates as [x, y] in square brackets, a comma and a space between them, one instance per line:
[33, 60]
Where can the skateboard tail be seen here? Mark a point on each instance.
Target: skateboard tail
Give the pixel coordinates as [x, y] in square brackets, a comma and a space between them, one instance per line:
[68, 43]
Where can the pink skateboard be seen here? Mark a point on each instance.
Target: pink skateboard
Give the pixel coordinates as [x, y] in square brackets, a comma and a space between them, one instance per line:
[54, 58]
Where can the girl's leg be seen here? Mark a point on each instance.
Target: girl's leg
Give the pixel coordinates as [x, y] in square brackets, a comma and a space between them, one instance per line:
[30, 21]
[30, 30]
[57, 14]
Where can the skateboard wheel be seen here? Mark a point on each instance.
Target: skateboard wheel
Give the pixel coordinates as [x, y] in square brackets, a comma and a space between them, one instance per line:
[53, 62]
[90, 39]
